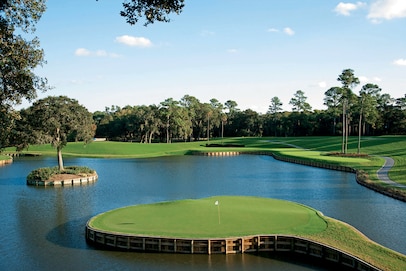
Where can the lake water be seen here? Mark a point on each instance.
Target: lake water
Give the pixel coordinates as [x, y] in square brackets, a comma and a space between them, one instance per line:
[43, 228]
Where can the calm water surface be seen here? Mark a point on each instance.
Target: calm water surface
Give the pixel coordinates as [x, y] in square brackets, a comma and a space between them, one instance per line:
[43, 228]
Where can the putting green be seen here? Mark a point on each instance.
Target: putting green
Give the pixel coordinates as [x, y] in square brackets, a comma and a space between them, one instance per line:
[203, 218]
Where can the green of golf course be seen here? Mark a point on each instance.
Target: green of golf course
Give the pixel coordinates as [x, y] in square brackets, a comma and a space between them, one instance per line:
[315, 149]
[232, 216]
[238, 224]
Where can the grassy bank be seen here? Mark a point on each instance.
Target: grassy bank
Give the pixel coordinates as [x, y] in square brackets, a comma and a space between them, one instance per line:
[4, 157]
[244, 216]
[231, 217]
[347, 238]
[311, 148]
[305, 148]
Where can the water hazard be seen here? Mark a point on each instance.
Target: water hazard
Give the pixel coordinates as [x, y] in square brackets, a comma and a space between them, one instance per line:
[43, 228]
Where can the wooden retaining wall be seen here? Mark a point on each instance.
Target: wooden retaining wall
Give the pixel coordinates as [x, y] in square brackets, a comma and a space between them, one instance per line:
[6, 162]
[66, 182]
[281, 158]
[248, 244]
[375, 187]
[220, 153]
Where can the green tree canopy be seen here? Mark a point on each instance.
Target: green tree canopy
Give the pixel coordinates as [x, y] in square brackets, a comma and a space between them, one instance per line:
[150, 11]
[18, 58]
[57, 120]
[348, 81]
[275, 106]
[299, 103]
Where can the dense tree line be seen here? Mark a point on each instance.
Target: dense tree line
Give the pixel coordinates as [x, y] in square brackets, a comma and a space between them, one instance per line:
[347, 114]
[20, 54]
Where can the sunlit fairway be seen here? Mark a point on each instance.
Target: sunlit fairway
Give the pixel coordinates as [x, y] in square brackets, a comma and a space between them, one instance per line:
[4, 157]
[310, 148]
[233, 223]
[232, 217]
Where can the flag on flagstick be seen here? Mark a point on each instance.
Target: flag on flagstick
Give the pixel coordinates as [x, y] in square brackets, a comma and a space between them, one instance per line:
[218, 209]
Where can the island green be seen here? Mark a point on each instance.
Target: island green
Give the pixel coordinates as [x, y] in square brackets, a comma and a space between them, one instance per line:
[215, 217]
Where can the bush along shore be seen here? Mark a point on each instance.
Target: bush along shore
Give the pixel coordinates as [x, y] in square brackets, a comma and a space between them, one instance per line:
[52, 176]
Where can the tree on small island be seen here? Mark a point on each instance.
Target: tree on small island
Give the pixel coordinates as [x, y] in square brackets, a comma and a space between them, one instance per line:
[57, 120]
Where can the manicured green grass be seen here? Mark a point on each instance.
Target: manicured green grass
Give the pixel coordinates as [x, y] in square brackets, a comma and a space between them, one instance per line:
[4, 157]
[337, 234]
[109, 149]
[347, 238]
[311, 148]
[244, 216]
[232, 217]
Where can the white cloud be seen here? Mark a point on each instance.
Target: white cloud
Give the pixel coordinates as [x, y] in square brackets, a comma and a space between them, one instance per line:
[288, 31]
[400, 62]
[273, 30]
[82, 52]
[134, 41]
[346, 8]
[232, 51]
[365, 80]
[322, 84]
[99, 53]
[387, 9]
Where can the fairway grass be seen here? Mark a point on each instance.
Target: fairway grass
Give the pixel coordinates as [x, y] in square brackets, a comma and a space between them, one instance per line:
[303, 148]
[4, 157]
[232, 217]
[240, 216]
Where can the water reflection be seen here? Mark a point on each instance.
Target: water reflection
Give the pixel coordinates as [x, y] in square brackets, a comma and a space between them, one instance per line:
[43, 228]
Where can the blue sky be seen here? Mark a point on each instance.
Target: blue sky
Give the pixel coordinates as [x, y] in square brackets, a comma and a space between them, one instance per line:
[246, 51]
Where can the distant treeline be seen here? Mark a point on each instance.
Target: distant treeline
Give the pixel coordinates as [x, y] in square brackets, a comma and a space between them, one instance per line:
[190, 119]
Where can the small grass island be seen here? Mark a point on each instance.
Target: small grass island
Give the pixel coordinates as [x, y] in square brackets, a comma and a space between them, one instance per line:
[53, 176]
[238, 224]
[214, 217]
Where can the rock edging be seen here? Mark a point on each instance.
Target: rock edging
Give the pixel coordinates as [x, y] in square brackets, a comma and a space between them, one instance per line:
[65, 181]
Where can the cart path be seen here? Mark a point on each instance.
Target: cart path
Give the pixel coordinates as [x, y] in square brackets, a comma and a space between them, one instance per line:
[382, 173]
[384, 170]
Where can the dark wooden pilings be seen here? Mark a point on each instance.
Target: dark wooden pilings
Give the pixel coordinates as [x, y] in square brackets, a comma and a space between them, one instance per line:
[248, 244]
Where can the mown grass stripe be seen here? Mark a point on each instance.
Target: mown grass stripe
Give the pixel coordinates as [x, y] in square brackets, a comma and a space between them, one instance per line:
[239, 216]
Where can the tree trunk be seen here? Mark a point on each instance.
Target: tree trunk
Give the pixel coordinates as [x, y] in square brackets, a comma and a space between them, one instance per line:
[208, 129]
[359, 133]
[150, 137]
[344, 129]
[167, 130]
[347, 132]
[60, 160]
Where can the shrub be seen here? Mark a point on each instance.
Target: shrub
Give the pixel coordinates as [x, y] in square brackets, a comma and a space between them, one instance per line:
[46, 173]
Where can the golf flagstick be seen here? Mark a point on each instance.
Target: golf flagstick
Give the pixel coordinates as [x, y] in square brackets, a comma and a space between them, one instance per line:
[218, 209]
